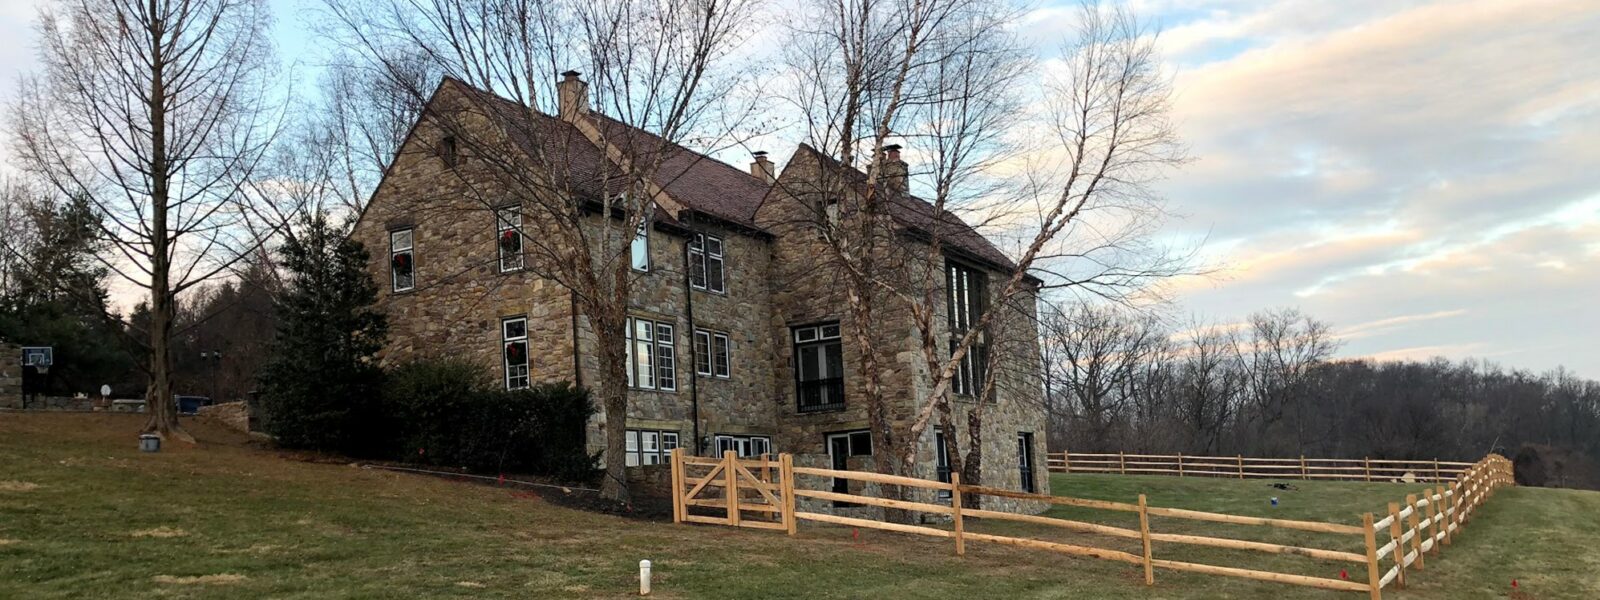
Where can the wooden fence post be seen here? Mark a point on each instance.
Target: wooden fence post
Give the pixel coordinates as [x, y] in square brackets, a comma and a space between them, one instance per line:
[955, 506]
[677, 485]
[1180, 464]
[1144, 534]
[1433, 520]
[1066, 460]
[1395, 533]
[1444, 508]
[730, 468]
[786, 471]
[1366, 465]
[1304, 473]
[1416, 532]
[1122, 463]
[1373, 578]
[1436, 470]
[1241, 466]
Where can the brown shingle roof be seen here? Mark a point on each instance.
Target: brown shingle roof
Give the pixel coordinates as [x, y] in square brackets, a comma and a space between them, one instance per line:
[920, 216]
[699, 182]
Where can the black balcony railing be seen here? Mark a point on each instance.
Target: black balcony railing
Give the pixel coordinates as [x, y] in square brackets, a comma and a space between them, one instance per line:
[821, 395]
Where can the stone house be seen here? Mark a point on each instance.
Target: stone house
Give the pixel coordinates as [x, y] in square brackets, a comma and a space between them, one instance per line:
[10, 375]
[735, 337]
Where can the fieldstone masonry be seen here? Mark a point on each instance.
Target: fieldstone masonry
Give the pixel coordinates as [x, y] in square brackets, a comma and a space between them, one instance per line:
[773, 284]
[10, 376]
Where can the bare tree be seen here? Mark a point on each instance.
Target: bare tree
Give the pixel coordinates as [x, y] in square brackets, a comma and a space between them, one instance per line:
[156, 112]
[656, 70]
[1276, 358]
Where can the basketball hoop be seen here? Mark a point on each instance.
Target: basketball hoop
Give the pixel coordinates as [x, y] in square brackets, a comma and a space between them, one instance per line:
[43, 370]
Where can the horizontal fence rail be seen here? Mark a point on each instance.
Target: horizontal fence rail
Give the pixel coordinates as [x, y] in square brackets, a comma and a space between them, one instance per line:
[767, 490]
[1242, 467]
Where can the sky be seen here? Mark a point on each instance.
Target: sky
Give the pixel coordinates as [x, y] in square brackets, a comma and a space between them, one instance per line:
[1424, 176]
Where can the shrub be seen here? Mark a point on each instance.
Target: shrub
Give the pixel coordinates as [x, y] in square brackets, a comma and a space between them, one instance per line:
[448, 413]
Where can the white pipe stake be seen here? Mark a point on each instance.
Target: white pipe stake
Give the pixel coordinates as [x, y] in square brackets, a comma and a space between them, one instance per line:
[644, 578]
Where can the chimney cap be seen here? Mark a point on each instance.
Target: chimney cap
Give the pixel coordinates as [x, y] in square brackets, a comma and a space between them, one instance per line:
[892, 148]
[570, 74]
[759, 154]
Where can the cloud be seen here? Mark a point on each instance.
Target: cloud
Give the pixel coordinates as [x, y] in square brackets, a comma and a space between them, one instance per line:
[1418, 173]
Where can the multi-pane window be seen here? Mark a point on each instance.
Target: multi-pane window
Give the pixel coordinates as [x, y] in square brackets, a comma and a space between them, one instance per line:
[650, 447]
[705, 263]
[841, 448]
[402, 259]
[744, 445]
[712, 354]
[1025, 460]
[970, 373]
[966, 287]
[508, 237]
[514, 351]
[819, 368]
[639, 249]
[651, 362]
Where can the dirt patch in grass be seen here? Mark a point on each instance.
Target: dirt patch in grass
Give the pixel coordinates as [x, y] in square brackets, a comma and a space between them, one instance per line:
[160, 532]
[218, 579]
[18, 486]
[471, 584]
[6, 542]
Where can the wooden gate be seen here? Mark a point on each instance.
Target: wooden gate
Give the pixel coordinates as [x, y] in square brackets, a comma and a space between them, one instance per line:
[722, 491]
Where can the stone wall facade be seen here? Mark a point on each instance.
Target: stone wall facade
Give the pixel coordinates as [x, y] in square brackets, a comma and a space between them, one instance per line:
[10, 376]
[774, 283]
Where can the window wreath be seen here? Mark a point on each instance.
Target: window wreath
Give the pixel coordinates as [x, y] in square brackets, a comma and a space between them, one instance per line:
[402, 263]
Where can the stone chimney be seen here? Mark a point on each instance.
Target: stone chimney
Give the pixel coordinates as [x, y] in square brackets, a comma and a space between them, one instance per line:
[762, 168]
[573, 95]
[895, 170]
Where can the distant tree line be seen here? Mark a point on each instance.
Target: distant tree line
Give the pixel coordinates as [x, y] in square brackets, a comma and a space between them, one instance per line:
[1123, 381]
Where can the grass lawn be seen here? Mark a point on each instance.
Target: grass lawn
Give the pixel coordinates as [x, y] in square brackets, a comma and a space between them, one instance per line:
[84, 514]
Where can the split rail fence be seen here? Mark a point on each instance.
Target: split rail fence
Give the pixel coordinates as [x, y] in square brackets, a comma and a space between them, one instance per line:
[1242, 467]
[761, 493]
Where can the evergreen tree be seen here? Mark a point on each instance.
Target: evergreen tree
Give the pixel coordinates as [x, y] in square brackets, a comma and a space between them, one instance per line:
[320, 386]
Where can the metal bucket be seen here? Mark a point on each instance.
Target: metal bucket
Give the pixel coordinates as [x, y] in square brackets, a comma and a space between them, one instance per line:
[149, 442]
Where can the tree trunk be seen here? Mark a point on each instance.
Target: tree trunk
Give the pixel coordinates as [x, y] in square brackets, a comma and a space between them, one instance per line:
[972, 470]
[613, 389]
[159, 400]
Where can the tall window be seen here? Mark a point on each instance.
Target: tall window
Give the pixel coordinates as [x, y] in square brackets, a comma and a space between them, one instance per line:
[966, 287]
[514, 351]
[650, 447]
[640, 248]
[971, 371]
[705, 263]
[712, 354]
[941, 461]
[651, 361]
[744, 445]
[819, 368]
[508, 236]
[402, 259]
[1025, 460]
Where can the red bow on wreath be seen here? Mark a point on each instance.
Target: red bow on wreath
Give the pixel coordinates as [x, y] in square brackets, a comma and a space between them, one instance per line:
[508, 239]
[514, 353]
[402, 263]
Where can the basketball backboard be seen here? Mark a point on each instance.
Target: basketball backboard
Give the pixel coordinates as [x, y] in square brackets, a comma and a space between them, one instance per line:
[38, 356]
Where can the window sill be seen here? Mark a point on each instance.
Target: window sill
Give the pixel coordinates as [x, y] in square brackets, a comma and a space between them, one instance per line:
[821, 409]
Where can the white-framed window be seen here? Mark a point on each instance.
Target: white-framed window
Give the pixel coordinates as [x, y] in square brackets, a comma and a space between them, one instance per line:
[508, 238]
[650, 447]
[713, 354]
[651, 360]
[745, 446]
[639, 249]
[402, 259]
[819, 368]
[842, 447]
[514, 351]
[706, 267]
[941, 462]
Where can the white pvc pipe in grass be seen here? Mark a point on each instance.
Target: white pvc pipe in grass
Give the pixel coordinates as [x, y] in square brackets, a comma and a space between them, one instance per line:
[644, 578]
